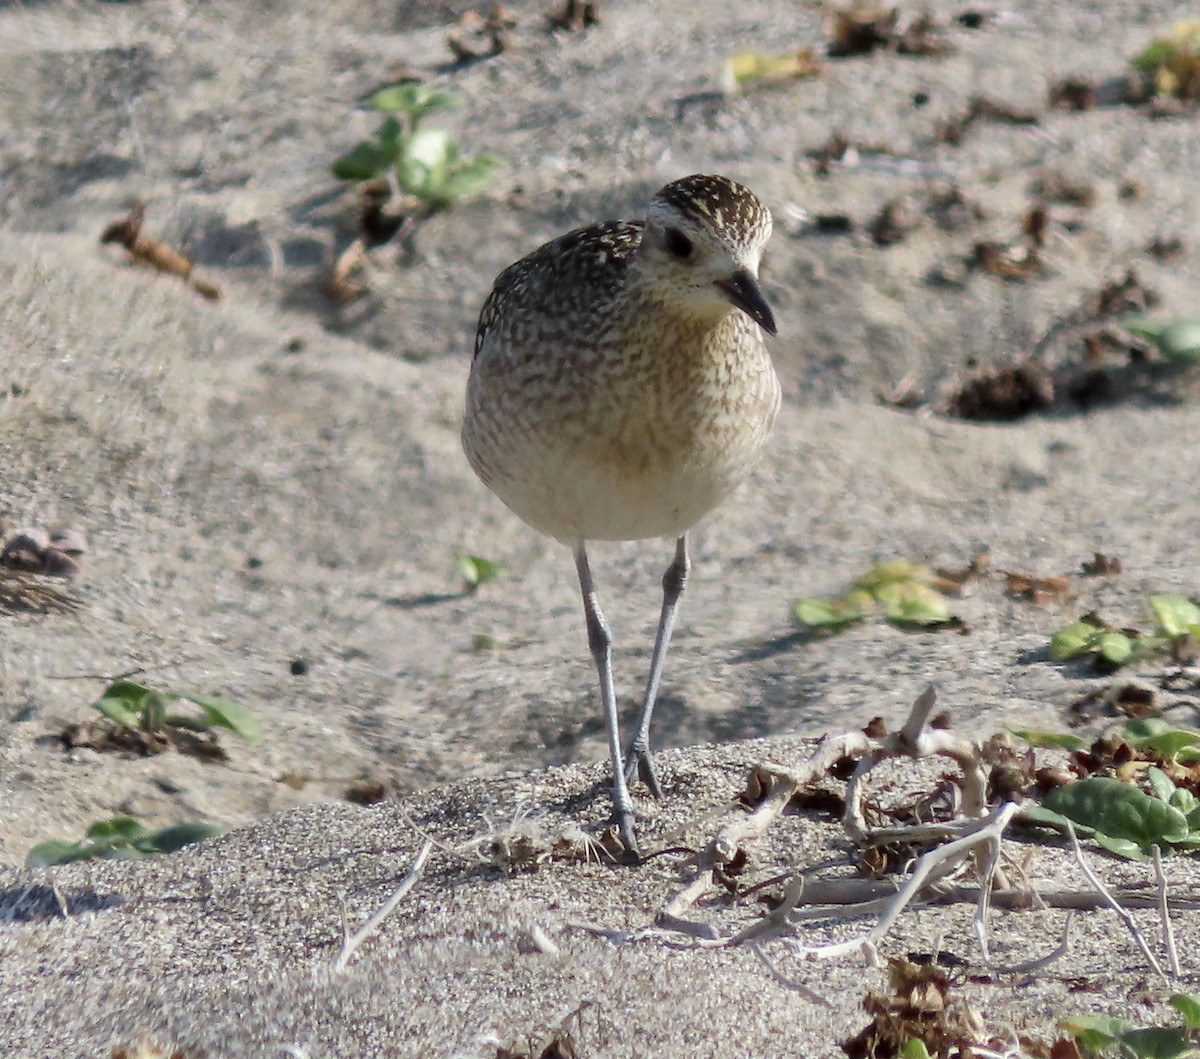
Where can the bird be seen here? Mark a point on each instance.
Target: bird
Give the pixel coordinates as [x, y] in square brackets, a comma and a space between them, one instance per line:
[621, 389]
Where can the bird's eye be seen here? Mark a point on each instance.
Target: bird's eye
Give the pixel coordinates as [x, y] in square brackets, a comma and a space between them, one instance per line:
[678, 244]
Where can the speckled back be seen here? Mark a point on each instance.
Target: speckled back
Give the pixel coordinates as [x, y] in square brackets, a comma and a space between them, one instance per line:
[575, 275]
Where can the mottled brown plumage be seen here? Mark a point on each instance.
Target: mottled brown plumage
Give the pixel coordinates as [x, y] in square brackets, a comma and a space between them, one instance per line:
[621, 389]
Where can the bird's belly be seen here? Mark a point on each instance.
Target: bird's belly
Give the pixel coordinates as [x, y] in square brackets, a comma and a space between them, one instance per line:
[622, 486]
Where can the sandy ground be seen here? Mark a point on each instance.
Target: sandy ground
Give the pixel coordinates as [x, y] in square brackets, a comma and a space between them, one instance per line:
[276, 479]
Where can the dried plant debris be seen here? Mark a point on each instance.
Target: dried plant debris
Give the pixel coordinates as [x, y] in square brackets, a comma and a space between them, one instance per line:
[524, 844]
[147, 250]
[1165, 77]
[366, 792]
[1028, 384]
[1016, 262]
[378, 224]
[1004, 393]
[479, 36]
[35, 550]
[974, 19]
[895, 220]
[1078, 93]
[1039, 590]
[1100, 565]
[1055, 187]
[839, 152]
[980, 109]
[1125, 700]
[747, 69]
[345, 278]
[575, 16]
[22, 593]
[920, 1005]
[865, 27]
[1165, 247]
[566, 1041]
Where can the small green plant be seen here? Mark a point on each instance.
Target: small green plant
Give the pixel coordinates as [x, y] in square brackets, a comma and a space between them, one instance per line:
[1177, 618]
[1114, 811]
[145, 709]
[1176, 339]
[120, 838]
[423, 162]
[1107, 1035]
[1172, 62]
[900, 592]
[476, 570]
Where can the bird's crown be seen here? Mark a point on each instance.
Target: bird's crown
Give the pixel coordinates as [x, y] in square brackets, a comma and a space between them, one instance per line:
[730, 210]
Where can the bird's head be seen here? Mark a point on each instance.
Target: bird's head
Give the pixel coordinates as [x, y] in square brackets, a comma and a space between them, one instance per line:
[701, 246]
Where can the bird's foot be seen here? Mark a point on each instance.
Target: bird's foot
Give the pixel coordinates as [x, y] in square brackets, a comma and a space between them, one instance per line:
[624, 822]
[639, 765]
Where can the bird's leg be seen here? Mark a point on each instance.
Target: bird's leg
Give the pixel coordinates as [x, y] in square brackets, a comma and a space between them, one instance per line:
[674, 581]
[600, 642]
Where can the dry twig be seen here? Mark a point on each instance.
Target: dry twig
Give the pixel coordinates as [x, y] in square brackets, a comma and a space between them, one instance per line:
[1113, 903]
[351, 942]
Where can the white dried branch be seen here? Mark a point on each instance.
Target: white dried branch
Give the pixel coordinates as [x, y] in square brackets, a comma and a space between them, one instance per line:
[974, 833]
[791, 983]
[1164, 913]
[351, 942]
[1113, 903]
[1039, 962]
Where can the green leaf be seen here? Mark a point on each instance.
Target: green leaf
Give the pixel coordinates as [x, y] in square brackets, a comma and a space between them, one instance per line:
[1143, 325]
[1114, 647]
[225, 713]
[414, 100]
[173, 839]
[1157, 1042]
[365, 162]
[1176, 614]
[1073, 640]
[119, 710]
[1139, 729]
[1164, 790]
[1040, 816]
[1180, 340]
[912, 603]
[467, 178]
[120, 829]
[1062, 740]
[834, 614]
[48, 854]
[154, 710]
[1187, 803]
[1153, 733]
[427, 147]
[123, 701]
[818, 613]
[1188, 1005]
[1118, 811]
[914, 1048]
[890, 572]
[476, 570]
[1095, 1031]
[1119, 847]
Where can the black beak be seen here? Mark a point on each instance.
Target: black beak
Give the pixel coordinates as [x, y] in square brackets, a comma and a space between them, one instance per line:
[742, 290]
